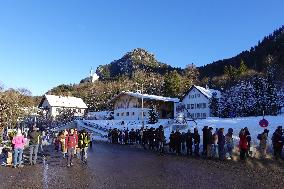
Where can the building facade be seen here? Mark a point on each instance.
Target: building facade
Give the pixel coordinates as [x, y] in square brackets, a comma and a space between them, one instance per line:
[128, 106]
[53, 105]
[195, 104]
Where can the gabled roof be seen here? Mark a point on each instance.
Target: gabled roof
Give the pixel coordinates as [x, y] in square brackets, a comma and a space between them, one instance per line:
[147, 96]
[206, 92]
[64, 101]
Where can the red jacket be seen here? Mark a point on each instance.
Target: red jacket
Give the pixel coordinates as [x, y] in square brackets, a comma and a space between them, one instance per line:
[71, 141]
[243, 142]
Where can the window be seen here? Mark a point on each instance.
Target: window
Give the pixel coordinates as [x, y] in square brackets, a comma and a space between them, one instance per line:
[189, 96]
[195, 96]
[198, 95]
[117, 114]
[144, 114]
[58, 110]
[188, 106]
[204, 105]
[204, 115]
[133, 113]
[122, 114]
[79, 110]
[127, 113]
[188, 114]
[198, 115]
[192, 106]
[198, 106]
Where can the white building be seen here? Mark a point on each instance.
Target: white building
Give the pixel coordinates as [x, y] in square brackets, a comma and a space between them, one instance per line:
[128, 106]
[196, 102]
[55, 104]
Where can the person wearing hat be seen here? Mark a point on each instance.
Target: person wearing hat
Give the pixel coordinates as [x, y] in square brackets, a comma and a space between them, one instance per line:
[263, 143]
[19, 142]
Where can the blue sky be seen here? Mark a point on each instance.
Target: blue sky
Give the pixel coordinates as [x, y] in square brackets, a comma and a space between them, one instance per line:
[44, 43]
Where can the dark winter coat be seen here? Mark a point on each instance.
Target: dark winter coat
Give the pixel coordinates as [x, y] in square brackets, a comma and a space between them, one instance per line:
[196, 138]
[209, 137]
[221, 138]
[277, 139]
[34, 137]
[160, 135]
[188, 139]
[205, 135]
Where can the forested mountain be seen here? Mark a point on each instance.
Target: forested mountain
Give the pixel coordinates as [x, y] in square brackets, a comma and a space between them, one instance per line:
[141, 67]
[268, 51]
[133, 62]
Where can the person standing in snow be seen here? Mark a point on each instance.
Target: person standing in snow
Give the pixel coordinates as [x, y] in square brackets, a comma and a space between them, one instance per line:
[172, 142]
[215, 144]
[221, 144]
[205, 139]
[229, 143]
[247, 133]
[177, 138]
[263, 143]
[18, 141]
[209, 140]
[188, 141]
[277, 141]
[243, 144]
[161, 139]
[196, 140]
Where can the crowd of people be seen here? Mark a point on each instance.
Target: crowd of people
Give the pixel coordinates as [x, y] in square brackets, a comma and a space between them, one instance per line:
[35, 139]
[73, 143]
[215, 143]
[149, 137]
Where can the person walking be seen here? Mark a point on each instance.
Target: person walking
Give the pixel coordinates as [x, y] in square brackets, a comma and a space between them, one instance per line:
[243, 144]
[19, 142]
[263, 143]
[84, 140]
[71, 145]
[229, 143]
[34, 137]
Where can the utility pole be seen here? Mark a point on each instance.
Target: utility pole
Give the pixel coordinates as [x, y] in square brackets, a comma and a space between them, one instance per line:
[142, 107]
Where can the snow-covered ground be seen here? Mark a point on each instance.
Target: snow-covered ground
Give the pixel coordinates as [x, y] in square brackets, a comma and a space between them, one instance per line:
[236, 124]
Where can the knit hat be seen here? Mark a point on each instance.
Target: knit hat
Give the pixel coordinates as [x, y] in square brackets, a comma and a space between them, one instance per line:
[19, 132]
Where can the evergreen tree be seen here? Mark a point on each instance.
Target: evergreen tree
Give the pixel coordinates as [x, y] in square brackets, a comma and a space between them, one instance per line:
[271, 93]
[172, 84]
[153, 117]
[213, 104]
